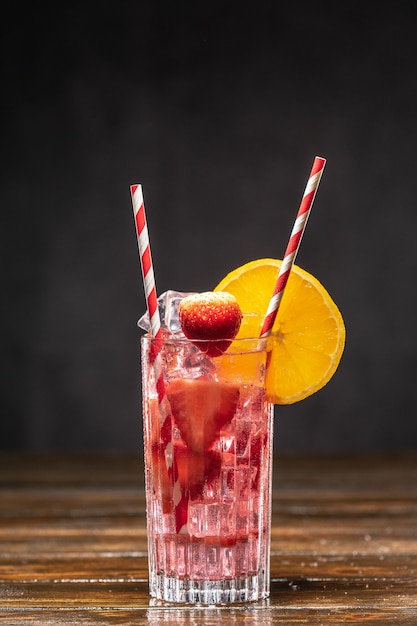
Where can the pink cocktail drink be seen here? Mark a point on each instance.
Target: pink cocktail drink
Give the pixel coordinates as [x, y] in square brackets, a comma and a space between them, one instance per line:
[207, 394]
[208, 466]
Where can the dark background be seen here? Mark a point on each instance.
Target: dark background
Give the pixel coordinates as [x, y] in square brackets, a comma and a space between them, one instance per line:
[218, 110]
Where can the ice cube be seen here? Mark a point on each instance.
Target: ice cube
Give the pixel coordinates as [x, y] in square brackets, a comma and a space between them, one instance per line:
[168, 310]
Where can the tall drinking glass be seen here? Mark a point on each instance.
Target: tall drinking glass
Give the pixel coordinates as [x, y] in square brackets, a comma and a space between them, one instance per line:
[208, 470]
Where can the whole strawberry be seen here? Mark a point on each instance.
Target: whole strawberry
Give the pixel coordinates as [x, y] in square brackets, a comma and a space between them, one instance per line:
[213, 316]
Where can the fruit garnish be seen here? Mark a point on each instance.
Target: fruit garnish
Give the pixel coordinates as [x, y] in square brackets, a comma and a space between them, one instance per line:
[308, 335]
[201, 408]
[210, 316]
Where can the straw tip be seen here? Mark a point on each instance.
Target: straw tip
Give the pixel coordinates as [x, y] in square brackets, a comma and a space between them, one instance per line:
[134, 187]
[318, 165]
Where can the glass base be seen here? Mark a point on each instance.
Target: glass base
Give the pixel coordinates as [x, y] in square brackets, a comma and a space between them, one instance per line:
[248, 589]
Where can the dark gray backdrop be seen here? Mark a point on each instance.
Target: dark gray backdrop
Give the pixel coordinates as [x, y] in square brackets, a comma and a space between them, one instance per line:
[218, 110]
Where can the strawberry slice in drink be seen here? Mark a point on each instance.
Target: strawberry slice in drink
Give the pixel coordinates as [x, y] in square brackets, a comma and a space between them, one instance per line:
[201, 408]
[196, 470]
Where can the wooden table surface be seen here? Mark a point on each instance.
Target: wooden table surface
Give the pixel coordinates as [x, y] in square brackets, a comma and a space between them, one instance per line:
[73, 544]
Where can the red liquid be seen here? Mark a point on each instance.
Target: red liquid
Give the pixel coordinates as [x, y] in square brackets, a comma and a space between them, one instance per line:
[209, 520]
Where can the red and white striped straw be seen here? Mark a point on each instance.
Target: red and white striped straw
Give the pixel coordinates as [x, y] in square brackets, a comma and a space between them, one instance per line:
[293, 244]
[146, 259]
[180, 501]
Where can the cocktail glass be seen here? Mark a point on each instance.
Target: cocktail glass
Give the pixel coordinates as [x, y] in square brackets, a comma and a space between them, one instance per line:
[208, 470]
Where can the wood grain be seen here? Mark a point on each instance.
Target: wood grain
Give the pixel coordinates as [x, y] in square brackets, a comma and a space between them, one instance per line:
[73, 543]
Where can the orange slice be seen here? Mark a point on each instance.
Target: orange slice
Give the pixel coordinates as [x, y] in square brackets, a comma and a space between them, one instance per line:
[308, 335]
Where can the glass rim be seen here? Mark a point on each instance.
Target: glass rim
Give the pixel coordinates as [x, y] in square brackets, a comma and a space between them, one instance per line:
[237, 346]
[179, 338]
